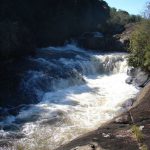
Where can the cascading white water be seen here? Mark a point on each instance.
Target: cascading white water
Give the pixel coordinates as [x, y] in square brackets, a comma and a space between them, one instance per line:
[90, 94]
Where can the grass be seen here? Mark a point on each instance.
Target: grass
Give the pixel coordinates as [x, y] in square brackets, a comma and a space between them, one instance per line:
[137, 133]
[139, 136]
[19, 147]
[144, 147]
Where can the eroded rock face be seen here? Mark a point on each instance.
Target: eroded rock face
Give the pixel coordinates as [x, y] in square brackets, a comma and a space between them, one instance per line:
[97, 41]
[123, 119]
[124, 38]
[129, 80]
[137, 77]
[141, 79]
[129, 103]
[118, 42]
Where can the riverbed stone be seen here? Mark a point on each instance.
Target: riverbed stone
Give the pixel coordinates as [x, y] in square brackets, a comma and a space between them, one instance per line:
[128, 103]
[124, 119]
[140, 79]
[129, 80]
[137, 77]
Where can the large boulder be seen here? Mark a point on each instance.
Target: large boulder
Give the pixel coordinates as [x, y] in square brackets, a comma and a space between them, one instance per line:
[141, 109]
[137, 77]
[97, 41]
[124, 37]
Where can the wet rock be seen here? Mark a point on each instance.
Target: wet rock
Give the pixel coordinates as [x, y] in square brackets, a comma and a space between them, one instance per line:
[137, 77]
[140, 79]
[131, 71]
[141, 128]
[128, 103]
[106, 135]
[129, 80]
[5, 143]
[123, 39]
[91, 40]
[96, 41]
[124, 119]
[141, 112]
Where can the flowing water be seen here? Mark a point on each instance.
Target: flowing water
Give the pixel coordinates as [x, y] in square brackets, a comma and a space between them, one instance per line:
[77, 91]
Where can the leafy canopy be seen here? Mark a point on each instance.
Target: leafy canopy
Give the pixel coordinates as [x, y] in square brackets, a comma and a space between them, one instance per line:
[140, 46]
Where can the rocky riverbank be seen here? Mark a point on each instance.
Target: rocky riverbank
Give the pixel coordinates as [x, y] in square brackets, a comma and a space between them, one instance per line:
[129, 131]
[100, 42]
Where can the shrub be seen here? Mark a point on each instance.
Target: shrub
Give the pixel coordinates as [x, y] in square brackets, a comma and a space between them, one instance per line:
[140, 46]
[117, 21]
[144, 147]
[137, 133]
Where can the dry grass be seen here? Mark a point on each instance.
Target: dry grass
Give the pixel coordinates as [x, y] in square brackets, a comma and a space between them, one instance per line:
[137, 133]
[144, 147]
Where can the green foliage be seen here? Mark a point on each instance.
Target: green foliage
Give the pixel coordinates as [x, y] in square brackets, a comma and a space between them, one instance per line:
[144, 147]
[140, 46]
[118, 19]
[19, 147]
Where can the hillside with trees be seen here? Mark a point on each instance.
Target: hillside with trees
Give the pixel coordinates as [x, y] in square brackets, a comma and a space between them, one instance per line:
[140, 44]
[27, 24]
[119, 19]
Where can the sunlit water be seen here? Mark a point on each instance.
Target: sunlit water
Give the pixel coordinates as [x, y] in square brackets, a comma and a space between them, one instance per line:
[89, 97]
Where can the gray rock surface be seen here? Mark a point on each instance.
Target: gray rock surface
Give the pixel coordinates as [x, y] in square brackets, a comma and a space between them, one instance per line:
[137, 77]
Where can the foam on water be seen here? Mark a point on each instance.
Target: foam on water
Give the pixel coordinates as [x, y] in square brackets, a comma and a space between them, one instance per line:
[68, 113]
[74, 109]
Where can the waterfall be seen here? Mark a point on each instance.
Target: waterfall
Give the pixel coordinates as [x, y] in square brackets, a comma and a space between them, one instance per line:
[68, 67]
[77, 91]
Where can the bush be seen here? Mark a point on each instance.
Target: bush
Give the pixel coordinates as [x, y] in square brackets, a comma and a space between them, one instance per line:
[140, 46]
[117, 21]
[137, 133]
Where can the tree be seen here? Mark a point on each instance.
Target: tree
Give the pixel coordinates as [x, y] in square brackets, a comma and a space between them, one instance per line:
[118, 19]
[147, 11]
[140, 46]
[140, 43]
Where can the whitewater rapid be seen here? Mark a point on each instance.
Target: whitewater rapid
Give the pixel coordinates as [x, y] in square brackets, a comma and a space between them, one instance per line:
[73, 103]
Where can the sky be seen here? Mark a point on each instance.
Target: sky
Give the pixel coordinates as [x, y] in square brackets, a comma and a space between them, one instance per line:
[132, 6]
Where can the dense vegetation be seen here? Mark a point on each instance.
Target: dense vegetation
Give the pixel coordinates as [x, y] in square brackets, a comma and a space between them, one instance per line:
[140, 44]
[27, 24]
[118, 19]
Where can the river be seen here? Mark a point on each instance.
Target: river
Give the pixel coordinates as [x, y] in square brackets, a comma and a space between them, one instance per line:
[77, 91]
